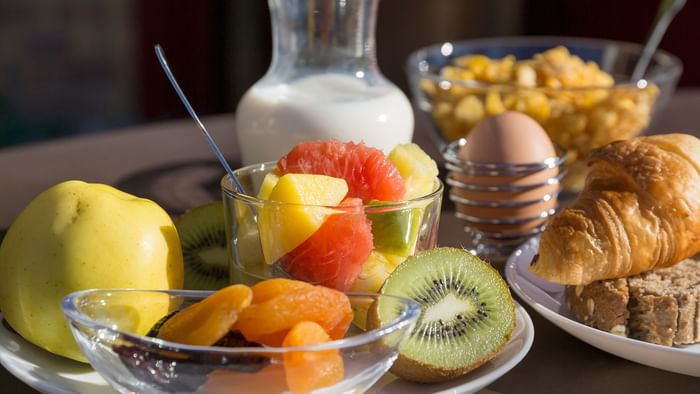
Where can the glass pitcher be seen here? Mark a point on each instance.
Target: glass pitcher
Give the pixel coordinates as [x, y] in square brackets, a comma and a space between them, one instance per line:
[323, 83]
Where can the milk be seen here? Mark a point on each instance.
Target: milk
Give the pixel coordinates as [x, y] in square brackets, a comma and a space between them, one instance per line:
[272, 118]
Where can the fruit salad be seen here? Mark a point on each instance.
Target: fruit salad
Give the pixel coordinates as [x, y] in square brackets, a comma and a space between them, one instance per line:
[342, 215]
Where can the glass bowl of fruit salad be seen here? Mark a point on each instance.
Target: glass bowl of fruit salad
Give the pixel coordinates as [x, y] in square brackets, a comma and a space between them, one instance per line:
[580, 90]
[343, 215]
[317, 339]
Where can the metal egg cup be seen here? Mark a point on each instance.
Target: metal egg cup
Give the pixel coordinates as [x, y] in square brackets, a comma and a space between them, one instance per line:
[496, 246]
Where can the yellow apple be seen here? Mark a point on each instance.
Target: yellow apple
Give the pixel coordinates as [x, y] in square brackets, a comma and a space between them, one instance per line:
[75, 236]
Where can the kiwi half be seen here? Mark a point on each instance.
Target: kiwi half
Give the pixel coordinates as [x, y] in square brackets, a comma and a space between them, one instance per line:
[467, 314]
[203, 237]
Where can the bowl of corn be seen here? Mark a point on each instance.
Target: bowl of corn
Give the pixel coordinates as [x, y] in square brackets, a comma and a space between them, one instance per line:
[580, 90]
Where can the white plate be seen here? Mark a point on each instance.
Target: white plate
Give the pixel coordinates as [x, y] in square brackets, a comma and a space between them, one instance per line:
[547, 299]
[514, 351]
[48, 373]
[44, 371]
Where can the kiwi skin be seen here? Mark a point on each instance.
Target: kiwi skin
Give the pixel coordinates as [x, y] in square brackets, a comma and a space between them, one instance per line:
[202, 232]
[417, 371]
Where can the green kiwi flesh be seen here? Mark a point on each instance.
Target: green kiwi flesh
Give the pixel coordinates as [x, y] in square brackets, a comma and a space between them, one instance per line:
[467, 314]
[203, 237]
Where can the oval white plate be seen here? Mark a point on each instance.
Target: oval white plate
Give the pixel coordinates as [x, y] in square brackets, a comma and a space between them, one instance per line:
[547, 299]
[48, 373]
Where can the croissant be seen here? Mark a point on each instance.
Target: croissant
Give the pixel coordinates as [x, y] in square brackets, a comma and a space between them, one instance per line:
[639, 210]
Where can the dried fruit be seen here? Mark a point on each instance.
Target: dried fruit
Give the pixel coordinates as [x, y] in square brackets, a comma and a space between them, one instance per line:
[209, 320]
[268, 322]
[309, 370]
[271, 288]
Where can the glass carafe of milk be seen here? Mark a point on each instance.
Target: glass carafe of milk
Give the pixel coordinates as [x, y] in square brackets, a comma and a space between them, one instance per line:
[323, 83]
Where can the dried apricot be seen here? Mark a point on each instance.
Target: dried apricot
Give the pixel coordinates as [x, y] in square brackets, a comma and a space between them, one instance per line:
[209, 320]
[269, 321]
[309, 370]
[271, 288]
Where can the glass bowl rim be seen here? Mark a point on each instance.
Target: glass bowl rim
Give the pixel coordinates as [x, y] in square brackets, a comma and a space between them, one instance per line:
[671, 70]
[68, 305]
[229, 190]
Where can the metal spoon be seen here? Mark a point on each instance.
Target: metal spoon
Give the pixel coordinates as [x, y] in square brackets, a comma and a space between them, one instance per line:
[667, 11]
[164, 63]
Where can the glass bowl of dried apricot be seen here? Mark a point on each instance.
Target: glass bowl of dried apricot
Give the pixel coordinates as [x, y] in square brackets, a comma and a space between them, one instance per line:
[580, 90]
[279, 335]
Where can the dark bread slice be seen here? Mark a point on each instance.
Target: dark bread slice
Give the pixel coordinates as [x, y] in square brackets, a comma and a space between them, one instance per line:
[660, 306]
[602, 304]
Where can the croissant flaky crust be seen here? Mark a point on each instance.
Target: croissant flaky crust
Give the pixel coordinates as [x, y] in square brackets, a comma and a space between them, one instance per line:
[639, 210]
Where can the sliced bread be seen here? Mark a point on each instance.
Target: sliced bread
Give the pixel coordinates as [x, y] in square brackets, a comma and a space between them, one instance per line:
[660, 306]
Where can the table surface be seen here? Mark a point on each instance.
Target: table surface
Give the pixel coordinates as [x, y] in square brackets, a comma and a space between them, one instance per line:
[171, 163]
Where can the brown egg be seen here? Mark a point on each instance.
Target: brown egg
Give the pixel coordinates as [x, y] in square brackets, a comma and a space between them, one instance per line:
[508, 138]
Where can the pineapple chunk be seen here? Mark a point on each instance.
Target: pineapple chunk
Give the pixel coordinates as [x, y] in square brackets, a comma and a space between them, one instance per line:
[375, 270]
[416, 168]
[306, 203]
[268, 183]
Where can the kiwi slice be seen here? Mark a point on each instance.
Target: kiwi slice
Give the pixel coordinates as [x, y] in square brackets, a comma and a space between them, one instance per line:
[203, 238]
[467, 314]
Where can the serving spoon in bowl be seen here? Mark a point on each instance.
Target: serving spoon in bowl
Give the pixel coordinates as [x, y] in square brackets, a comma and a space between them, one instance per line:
[667, 11]
[164, 64]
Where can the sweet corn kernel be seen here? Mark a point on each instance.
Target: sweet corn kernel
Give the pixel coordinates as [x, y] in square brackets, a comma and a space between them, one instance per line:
[456, 73]
[494, 105]
[469, 110]
[526, 76]
[475, 63]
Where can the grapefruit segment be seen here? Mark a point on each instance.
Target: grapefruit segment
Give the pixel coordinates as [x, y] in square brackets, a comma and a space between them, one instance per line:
[296, 208]
[334, 254]
[369, 174]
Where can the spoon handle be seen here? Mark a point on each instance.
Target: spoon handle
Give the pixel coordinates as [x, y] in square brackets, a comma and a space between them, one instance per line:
[164, 64]
[667, 11]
